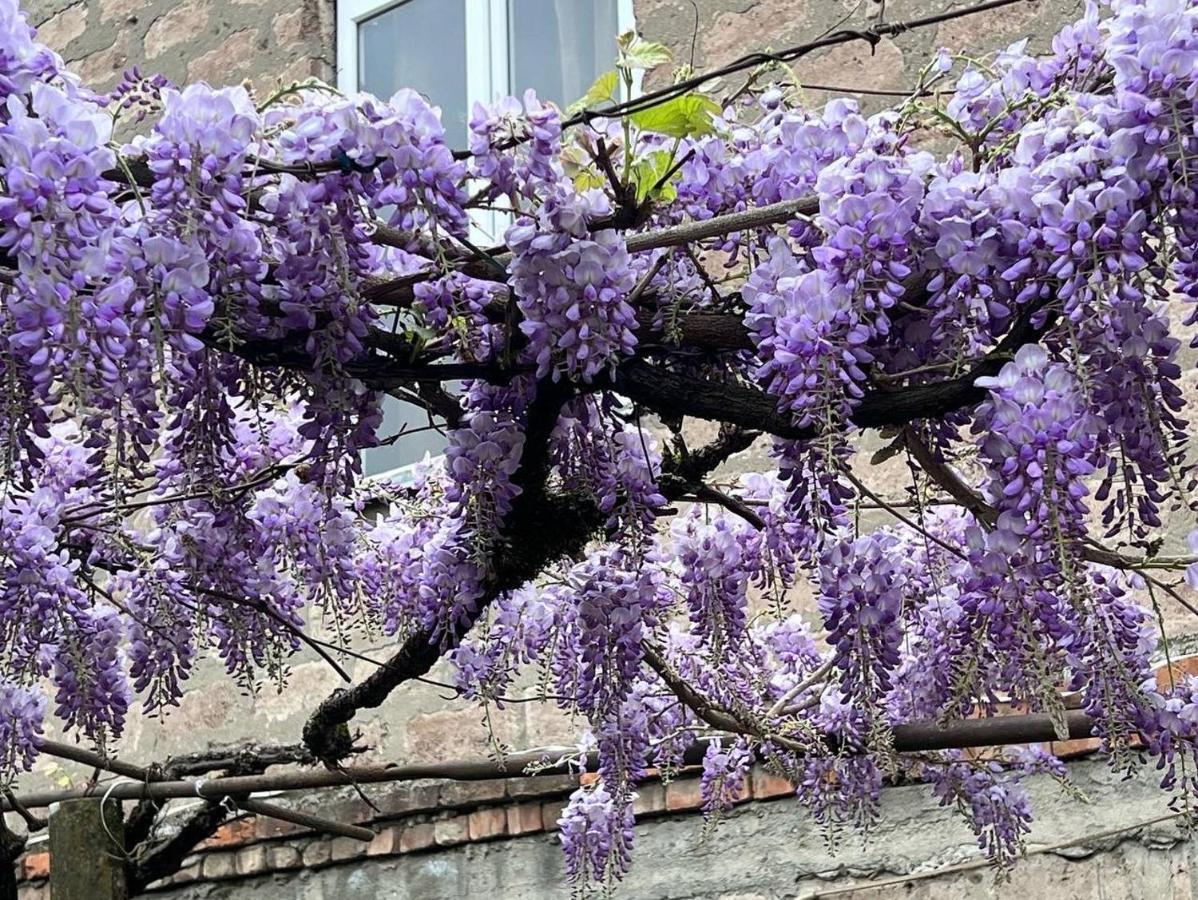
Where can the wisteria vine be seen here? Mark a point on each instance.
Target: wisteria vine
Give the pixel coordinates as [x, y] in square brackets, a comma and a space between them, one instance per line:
[198, 326]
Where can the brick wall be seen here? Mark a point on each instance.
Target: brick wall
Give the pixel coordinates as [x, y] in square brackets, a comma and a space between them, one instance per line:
[220, 41]
[498, 839]
[715, 32]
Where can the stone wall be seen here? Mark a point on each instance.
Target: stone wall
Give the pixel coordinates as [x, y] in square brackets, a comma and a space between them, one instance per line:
[225, 41]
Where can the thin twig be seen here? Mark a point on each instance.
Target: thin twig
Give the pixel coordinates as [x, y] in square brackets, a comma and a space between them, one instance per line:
[803, 685]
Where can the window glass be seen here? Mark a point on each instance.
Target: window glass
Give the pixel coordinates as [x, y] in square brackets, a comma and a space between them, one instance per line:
[420, 44]
[417, 440]
[556, 47]
[559, 47]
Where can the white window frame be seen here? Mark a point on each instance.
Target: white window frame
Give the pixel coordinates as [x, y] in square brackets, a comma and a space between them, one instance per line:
[488, 70]
[487, 44]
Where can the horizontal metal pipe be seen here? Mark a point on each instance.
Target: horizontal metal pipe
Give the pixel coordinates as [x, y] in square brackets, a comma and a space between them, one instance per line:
[911, 738]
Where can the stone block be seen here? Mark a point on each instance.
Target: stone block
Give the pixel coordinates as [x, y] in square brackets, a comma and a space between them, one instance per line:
[224, 64]
[455, 734]
[407, 797]
[343, 848]
[447, 832]
[218, 864]
[539, 786]
[283, 856]
[317, 853]
[63, 27]
[181, 25]
[251, 860]
[470, 793]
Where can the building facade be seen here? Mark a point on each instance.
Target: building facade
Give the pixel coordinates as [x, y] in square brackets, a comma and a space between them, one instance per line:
[497, 839]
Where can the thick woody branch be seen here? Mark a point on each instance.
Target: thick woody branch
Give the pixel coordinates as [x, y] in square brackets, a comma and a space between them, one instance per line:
[525, 546]
[913, 737]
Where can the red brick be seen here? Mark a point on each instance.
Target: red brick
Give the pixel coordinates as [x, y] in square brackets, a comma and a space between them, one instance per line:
[232, 834]
[524, 818]
[1166, 675]
[550, 813]
[1075, 748]
[766, 784]
[385, 842]
[447, 832]
[683, 794]
[267, 828]
[418, 836]
[36, 865]
[487, 823]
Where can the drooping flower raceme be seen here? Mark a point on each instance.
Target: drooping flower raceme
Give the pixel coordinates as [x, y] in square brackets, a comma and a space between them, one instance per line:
[572, 284]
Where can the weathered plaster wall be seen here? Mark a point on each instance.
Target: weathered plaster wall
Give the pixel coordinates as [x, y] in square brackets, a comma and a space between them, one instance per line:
[771, 850]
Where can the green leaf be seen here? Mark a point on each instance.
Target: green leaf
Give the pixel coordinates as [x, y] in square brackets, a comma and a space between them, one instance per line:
[650, 170]
[889, 451]
[638, 53]
[587, 179]
[602, 91]
[685, 116]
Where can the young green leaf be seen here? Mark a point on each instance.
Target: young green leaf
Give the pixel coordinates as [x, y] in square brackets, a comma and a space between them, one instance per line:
[650, 170]
[602, 91]
[638, 53]
[686, 116]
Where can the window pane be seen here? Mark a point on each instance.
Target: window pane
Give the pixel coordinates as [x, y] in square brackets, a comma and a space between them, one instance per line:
[559, 47]
[407, 417]
[420, 44]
